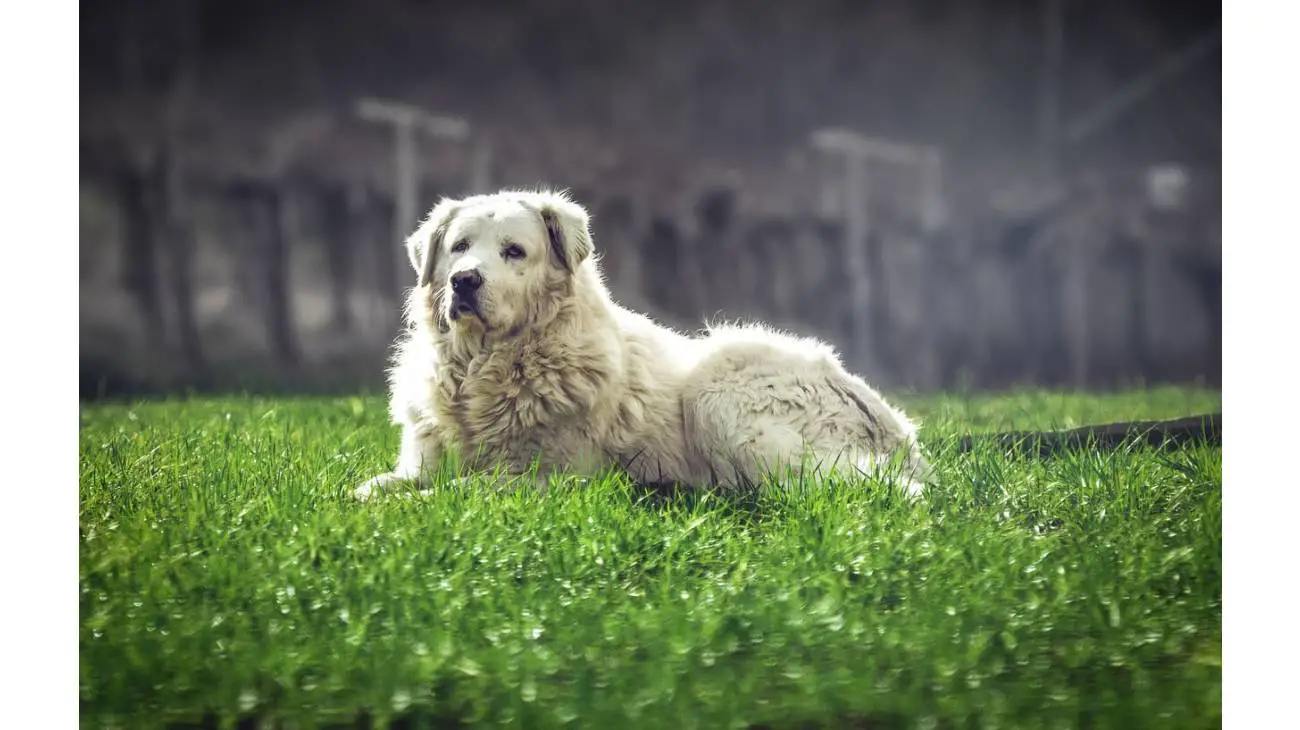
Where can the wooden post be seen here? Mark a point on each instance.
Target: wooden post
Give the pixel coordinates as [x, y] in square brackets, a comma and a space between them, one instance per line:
[480, 176]
[856, 150]
[1078, 267]
[932, 208]
[406, 120]
[857, 236]
[852, 148]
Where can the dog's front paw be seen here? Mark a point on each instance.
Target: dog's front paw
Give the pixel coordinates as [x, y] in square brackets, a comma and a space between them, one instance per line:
[364, 492]
[374, 486]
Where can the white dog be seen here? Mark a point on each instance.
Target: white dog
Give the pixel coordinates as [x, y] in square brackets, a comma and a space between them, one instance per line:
[517, 357]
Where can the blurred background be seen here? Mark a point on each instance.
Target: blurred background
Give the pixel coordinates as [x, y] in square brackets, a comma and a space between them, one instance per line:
[957, 193]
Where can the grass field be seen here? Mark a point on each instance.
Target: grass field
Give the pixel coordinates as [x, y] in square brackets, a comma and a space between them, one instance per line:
[225, 574]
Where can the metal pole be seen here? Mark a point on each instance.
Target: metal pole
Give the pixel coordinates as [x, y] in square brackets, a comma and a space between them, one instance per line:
[853, 148]
[1115, 105]
[406, 177]
[1049, 122]
[855, 196]
[932, 212]
[481, 172]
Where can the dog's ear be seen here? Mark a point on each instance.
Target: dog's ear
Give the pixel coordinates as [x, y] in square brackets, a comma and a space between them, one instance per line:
[568, 230]
[424, 246]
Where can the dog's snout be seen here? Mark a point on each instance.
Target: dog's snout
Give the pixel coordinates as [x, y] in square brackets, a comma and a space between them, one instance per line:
[464, 282]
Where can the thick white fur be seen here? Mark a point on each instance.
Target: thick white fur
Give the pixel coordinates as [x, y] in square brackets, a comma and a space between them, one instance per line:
[554, 374]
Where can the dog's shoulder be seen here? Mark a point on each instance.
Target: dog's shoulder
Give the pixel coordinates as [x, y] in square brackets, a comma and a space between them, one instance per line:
[743, 342]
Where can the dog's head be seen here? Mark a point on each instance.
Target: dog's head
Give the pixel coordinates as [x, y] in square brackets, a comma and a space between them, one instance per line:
[499, 262]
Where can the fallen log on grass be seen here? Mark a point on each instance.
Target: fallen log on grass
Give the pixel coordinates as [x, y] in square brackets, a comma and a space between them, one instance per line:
[1203, 429]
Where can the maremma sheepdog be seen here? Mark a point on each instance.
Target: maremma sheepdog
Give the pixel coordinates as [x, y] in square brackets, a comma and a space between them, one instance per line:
[517, 359]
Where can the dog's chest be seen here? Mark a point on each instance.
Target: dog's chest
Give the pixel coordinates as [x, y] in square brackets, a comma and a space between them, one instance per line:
[511, 410]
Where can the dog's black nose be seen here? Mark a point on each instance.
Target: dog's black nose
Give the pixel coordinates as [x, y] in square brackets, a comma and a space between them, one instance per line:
[464, 282]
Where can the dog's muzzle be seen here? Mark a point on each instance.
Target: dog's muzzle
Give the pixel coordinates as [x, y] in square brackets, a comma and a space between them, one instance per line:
[464, 293]
[463, 305]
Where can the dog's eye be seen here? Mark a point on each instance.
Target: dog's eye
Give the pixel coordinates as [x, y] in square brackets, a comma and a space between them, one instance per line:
[460, 246]
[513, 251]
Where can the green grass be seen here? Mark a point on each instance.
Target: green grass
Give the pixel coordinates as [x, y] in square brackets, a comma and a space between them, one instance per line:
[225, 575]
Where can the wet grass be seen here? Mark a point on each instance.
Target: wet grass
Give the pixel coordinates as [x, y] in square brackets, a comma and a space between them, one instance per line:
[227, 578]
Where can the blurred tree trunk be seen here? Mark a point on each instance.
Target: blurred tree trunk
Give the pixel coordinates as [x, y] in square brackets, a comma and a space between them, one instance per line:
[139, 190]
[1207, 277]
[174, 194]
[882, 348]
[243, 194]
[368, 235]
[265, 279]
[279, 299]
[138, 196]
[179, 262]
[336, 236]
[664, 272]
[129, 56]
[1137, 259]
[389, 263]
[279, 198]
[1072, 236]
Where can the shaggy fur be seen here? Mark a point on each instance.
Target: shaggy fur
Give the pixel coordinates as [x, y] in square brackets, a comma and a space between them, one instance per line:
[538, 367]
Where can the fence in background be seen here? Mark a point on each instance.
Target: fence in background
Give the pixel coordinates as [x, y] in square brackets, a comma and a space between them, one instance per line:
[191, 278]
